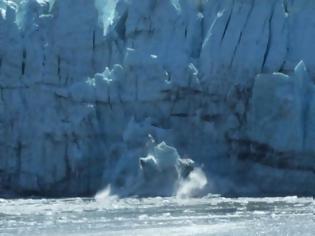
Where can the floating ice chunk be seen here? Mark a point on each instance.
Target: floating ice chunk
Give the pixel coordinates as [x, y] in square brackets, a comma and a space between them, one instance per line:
[161, 173]
[166, 156]
[161, 165]
[165, 173]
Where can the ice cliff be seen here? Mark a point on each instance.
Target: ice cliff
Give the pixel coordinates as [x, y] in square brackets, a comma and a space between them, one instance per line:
[229, 83]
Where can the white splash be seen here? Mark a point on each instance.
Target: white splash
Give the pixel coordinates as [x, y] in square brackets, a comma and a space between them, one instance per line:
[105, 196]
[193, 185]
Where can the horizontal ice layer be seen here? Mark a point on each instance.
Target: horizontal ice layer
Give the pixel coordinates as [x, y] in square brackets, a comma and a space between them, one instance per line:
[83, 83]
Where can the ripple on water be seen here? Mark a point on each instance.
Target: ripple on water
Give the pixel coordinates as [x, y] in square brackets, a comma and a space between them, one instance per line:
[212, 215]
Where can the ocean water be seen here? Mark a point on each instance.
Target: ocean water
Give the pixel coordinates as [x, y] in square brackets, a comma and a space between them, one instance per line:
[211, 215]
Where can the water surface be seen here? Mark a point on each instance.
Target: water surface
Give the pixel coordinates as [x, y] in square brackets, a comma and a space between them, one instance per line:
[212, 215]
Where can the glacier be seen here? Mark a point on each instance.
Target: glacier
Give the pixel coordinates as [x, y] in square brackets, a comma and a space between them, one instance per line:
[84, 84]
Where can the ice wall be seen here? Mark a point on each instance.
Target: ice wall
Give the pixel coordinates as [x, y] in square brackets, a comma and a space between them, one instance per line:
[229, 83]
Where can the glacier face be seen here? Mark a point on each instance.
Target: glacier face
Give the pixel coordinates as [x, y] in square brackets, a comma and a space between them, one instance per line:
[229, 83]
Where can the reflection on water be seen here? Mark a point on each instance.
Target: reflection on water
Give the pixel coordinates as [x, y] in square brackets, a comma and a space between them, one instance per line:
[212, 215]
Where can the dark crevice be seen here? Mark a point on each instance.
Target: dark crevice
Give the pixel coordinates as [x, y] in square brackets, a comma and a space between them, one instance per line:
[121, 26]
[183, 115]
[109, 99]
[19, 149]
[58, 66]
[285, 6]
[241, 34]
[94, 40]
[202, 32]
[227, 23]
[67, 159]
[24, 55]
[269, 38]
[23, 68]
[235, 49]
[267, 50]
[198, 48]
[2, 95]
[200, 6]
[282, 66]
[44, 61]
